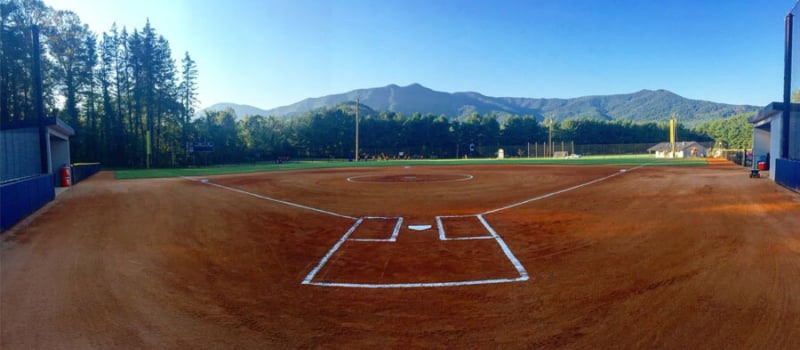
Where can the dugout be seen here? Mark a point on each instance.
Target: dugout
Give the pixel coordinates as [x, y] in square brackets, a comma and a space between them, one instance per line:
[28, 172]
[776, 129]
[775, 133]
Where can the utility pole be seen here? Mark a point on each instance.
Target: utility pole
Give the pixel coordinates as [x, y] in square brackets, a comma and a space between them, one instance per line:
[357, 101]
[550, 136]
[38, 97]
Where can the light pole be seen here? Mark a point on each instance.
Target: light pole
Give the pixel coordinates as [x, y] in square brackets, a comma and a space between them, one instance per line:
[550, 136]
[356, 154]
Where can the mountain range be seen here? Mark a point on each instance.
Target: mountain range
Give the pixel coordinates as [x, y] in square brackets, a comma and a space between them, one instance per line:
[641, 106]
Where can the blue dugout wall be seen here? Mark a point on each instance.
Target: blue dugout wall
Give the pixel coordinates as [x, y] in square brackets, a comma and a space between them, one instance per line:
[22, 197]
[787, 173]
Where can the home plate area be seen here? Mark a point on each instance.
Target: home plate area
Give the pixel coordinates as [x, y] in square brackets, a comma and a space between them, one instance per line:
[398, 252]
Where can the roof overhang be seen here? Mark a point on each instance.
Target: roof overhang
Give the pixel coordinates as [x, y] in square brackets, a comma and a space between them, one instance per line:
[52, 123]
[770, 111]
[62, 127]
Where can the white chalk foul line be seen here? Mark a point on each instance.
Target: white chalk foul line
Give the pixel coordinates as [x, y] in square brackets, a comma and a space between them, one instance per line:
[272, 199]
[559, 192]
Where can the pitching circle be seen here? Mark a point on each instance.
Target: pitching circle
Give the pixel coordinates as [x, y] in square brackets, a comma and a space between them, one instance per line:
[410, 178]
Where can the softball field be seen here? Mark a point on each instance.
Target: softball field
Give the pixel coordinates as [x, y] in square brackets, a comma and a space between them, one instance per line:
[479, 256]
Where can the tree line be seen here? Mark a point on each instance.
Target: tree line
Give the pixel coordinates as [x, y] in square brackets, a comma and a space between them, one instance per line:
[330, 133]
[734, 132]
[114, 90]
[122, 88]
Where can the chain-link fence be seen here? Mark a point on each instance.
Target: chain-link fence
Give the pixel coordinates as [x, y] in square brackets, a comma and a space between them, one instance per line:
[543, 149]
[741, 157]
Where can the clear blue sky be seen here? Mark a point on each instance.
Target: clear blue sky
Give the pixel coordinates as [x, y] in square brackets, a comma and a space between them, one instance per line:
[273, 53]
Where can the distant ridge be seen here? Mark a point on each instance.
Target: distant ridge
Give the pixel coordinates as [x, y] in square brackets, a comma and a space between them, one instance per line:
[240, 110]
[641, 106]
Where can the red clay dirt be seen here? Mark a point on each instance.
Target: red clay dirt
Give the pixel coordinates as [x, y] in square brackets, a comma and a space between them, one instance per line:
[653, 257]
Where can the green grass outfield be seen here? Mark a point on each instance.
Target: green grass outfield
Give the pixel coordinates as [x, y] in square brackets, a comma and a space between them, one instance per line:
[622, 160]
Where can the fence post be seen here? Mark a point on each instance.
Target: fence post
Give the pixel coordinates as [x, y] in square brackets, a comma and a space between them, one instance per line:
[744, 156]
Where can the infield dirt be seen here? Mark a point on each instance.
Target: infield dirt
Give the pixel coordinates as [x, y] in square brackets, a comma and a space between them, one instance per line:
[654, 257]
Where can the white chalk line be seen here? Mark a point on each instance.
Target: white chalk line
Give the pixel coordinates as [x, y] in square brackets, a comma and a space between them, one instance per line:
[523, 274]
[417, 285]
[355, 179]
[560, 191]
[395, 233]
[272, 199]
[327, 256]
[442, 236]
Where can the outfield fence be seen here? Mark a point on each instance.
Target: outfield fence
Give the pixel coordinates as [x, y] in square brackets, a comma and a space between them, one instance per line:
[528, 150]
[542, 149]
[82, 171]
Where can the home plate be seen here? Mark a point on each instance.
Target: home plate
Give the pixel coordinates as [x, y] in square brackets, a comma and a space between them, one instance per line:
[419, 227]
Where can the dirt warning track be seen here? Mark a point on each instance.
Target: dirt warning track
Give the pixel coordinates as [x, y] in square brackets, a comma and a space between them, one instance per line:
[657, 257]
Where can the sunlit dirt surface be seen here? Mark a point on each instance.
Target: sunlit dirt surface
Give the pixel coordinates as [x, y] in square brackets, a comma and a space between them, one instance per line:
[654, 257]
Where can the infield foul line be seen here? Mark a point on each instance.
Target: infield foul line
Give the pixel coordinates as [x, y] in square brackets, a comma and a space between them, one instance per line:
[273, 199]
[559, 192]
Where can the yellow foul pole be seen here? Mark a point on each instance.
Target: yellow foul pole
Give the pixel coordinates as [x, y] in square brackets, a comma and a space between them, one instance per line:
[673, 125]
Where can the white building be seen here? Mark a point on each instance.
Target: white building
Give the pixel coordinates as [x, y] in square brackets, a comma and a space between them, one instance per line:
[683, 149]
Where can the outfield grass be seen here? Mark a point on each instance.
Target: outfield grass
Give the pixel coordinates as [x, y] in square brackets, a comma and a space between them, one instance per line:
[623, 160]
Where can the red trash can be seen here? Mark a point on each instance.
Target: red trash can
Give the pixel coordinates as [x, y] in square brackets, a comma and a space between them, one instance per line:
[66, 181]
[762, 165]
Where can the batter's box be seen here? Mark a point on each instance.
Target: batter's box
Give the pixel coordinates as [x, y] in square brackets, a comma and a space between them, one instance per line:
[453, 228]
[377, 229]
[365, 259]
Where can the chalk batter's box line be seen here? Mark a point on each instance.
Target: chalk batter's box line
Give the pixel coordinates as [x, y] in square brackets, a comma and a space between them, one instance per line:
[523, 274]
[443, 236]
[394, 235]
